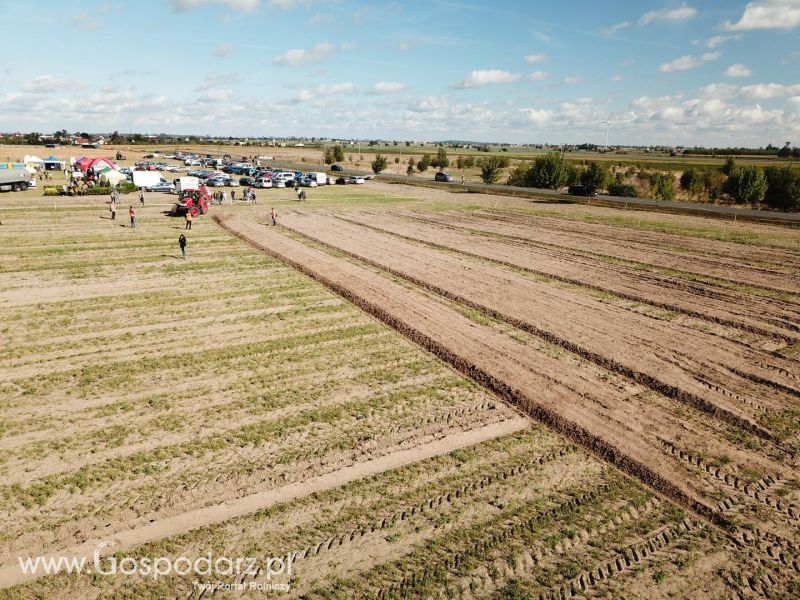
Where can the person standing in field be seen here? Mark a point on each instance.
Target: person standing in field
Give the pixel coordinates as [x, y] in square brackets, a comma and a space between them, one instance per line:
[233, 196]
[132, 215]
[113, 208]
[141, 197]
[188, 219]
[274, 216]
[222, 198]
[182, 244]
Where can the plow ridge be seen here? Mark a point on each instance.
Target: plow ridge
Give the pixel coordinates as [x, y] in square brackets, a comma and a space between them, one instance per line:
[706, 316]
[591, 442]
[605, 362]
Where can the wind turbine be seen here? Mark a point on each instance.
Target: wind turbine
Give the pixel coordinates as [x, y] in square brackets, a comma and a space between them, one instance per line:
[608, 127]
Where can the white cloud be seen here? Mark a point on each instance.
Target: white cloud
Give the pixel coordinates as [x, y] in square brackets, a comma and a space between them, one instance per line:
[616, 27]
[616, 78]
[668, 15]
[324, 89]
[538, 117]
[216, 95]
[723, 91]
[318, 53]
[718, 40]
[44, 84]
[237, 5]
[767, 14]
[532, 59]
[481, 78]
[222, 50]
[765, 91]
[542, 37]
[738, 70]
[538, 75]
[687, 62]
[388, 87]
[572, 80]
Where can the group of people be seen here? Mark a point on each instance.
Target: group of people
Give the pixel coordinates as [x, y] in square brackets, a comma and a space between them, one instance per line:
[222, 198]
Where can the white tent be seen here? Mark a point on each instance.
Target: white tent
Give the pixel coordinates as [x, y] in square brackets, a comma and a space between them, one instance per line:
[113, 177]
[32, 159]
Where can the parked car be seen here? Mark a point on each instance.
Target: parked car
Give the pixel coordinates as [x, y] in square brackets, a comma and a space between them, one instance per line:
[161, 187]
[216, 182]
[578, 190]
[248, 181]
[337, 168]
[357, 179]
[263, 182]
[308, 182]
[342, 181]
[231, 182]
[442, 176]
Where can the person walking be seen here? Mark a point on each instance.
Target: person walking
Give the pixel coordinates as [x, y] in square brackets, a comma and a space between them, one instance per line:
[141, 197]
[222, 198]
[132, 215]
[113, 208]
[233, 196]
[188, 219]
[182, 244]
[274, 216]
[302, 195]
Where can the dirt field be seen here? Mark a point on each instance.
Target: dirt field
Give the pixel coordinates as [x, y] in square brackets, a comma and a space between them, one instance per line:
[420, 393]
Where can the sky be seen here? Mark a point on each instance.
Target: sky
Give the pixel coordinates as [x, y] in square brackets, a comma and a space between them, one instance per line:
[662, 72]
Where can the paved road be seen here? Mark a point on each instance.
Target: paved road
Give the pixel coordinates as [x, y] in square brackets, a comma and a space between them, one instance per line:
[691, 207]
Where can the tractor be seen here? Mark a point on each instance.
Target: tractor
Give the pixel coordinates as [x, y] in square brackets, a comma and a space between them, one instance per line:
[195, 201]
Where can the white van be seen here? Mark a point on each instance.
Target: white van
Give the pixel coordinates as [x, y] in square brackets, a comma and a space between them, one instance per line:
[319, 178]
[263, 182]
[186, 183]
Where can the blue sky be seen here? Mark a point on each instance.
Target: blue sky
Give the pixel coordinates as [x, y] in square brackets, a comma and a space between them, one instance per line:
[671, 72]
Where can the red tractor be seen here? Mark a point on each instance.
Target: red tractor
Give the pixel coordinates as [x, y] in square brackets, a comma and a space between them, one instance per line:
[194, 201]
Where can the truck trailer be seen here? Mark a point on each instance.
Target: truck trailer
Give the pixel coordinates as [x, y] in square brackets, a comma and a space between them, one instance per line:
[14, 180]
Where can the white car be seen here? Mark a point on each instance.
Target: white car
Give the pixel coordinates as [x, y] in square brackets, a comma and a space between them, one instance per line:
[355, 179]
[263, 182]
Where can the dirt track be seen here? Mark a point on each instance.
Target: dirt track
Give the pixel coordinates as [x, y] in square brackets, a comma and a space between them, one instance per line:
[702, 370]
[660, 255]
[738, 309]
[648, 434]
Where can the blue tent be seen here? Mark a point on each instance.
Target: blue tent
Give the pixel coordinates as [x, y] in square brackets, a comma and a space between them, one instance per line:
[51, 163]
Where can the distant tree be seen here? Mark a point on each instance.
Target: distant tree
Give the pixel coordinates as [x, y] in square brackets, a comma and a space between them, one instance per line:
[460, 162]
[572, 174]
[663, 185]
[519, 175]
[490, 170]
[469, 162]
[329, 157]
[713, 184]
[441, 161]
[594, 177]
[338, 153]
[411, 162]
[115, 137]
[619, 188]
[379, 164]
[424, 163]
[408, 144]
[397, 160]
[729, 165]
[783, 188]
[691, 181]
[747, 184]
[785, 152]
[547, 172]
